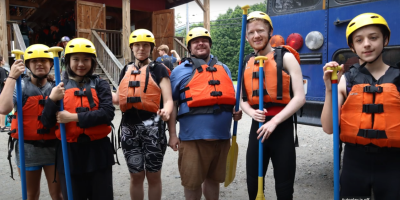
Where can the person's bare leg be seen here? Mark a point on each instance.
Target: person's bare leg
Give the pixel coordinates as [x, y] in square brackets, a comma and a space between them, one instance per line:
[54, 188]
[211, 189]
[193, 194]
[32, 183]
[155, 185]
[136, 185]
[2, 121]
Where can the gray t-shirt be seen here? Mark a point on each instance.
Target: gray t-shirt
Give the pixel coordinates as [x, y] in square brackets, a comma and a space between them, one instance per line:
[34, 156]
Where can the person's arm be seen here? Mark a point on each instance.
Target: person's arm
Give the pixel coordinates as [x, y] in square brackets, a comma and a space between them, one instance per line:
[178, 58]
[115, 96]
[166, 92]
[51, 107]
[7, 95]
[173, 137]
[292, 66]
[326, 115]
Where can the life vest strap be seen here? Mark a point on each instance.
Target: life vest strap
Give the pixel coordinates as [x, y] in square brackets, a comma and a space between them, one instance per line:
[211, 69]
[81, 109]
[214, 82]
[90, 96]
[185, 100]
[39, 117]
[373, 89]
[257, 75]
[80, 93]
[184, 89]
[133, 99]
[216, 93]
[256, 93]
[134, 83]
[43, 131]
[42, 101]
[372, 108]
[209, 110]
[371, 133]
[12, 131]
[279, 67]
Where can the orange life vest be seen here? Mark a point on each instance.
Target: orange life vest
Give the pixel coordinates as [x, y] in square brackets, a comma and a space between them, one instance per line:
[77, 100]
[139, 90]
[370, 113]
[33, 101]
[277, 83]
[208, 85]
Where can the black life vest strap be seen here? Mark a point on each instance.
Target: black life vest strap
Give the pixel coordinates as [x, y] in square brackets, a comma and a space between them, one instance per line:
[81, 109]
[257, 92]
[371, 133]
[279, 68]
[42, 101]
[209, 110]
[90, 96]
[373, 89]
[372, 108]
[147, 76]
[10, 149]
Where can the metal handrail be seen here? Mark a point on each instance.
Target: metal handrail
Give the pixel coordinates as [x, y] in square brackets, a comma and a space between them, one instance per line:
[107, 60]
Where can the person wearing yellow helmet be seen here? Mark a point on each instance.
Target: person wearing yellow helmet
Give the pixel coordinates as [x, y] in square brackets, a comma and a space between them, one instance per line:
[87, 115]
[39, 141]
[368, 97]
[284, 95]
[202, 88]
[144, 97]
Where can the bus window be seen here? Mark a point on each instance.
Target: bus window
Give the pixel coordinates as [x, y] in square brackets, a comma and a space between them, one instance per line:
[282, 7]
[391, 56]
[337, 3]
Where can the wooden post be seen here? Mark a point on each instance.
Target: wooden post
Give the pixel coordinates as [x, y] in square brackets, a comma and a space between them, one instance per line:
[126, 30]
[206, 14]
[3, 30]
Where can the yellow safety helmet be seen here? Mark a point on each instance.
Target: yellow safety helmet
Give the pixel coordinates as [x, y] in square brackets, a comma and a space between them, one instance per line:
[37, 51]
[80, 45]
[365, 19]
[260, 15]
[142, 35]
[195, 33]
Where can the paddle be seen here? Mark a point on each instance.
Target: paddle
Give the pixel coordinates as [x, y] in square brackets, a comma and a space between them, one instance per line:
[335, 118]
[55, 51]
[18, 54]
[260, 192]
[231, 162]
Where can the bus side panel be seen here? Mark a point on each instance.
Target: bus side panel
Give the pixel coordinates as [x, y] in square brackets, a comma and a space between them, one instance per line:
[337, 33]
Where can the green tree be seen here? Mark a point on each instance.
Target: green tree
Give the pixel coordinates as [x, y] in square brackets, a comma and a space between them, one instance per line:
[226, 33]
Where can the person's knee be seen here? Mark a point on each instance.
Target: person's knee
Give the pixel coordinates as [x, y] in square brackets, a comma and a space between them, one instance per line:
[284, 190]
[153, 178]
[137, 178]
[33, 194]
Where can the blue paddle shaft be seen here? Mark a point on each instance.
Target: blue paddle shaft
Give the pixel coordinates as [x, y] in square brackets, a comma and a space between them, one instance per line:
[261, 107]
[21, 139]
[63, 134]
[335, 115]
[239, 79]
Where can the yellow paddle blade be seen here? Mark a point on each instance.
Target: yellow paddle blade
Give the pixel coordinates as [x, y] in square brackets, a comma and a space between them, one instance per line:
[260, 192]
[231, 162]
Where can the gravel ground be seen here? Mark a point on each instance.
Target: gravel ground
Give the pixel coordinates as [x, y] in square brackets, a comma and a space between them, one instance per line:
[314, 173]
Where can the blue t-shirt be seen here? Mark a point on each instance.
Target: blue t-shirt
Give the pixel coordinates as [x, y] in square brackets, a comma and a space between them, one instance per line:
[201, 126]
[173, 59]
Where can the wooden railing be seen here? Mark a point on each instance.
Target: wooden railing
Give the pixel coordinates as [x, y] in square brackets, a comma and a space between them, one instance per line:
[15, 37]
[112, 39]
[180, 47]
[106, 59]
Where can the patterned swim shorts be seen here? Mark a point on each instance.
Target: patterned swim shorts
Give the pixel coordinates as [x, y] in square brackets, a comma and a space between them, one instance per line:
[144, 145]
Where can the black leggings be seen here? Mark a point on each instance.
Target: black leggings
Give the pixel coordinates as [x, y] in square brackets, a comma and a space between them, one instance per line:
[363, 171]
[96, 185]
[280, 148]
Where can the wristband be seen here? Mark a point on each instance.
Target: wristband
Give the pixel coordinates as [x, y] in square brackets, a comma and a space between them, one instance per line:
[12, 78]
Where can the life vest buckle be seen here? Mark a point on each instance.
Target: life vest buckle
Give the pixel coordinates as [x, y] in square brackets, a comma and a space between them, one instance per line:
[373, 89]
[372, 108]
[81, 109]
[211, 69]
[214, 82]
[133, 100]
[42, 101]
[135, 72]
[216, 93]
[80, 93]
[371, 133]
[134, 83]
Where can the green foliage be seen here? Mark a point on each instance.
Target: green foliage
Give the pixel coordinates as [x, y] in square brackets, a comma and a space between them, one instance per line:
[226, 36]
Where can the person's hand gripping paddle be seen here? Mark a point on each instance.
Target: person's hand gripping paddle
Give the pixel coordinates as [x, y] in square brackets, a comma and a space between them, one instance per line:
[18, 54]
[260, 192]
[335, 118]
[231, 162]
[55, 51]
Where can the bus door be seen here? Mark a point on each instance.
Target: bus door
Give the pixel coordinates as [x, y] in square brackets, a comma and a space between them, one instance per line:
[340, 14]
[303, 17]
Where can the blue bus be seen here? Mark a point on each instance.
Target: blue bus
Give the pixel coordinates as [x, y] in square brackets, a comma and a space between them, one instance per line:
[316, 29]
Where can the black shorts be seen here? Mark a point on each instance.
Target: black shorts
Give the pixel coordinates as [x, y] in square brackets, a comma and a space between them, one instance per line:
[144, 145]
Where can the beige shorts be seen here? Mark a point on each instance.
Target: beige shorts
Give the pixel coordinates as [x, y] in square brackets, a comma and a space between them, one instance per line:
[200, 159]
